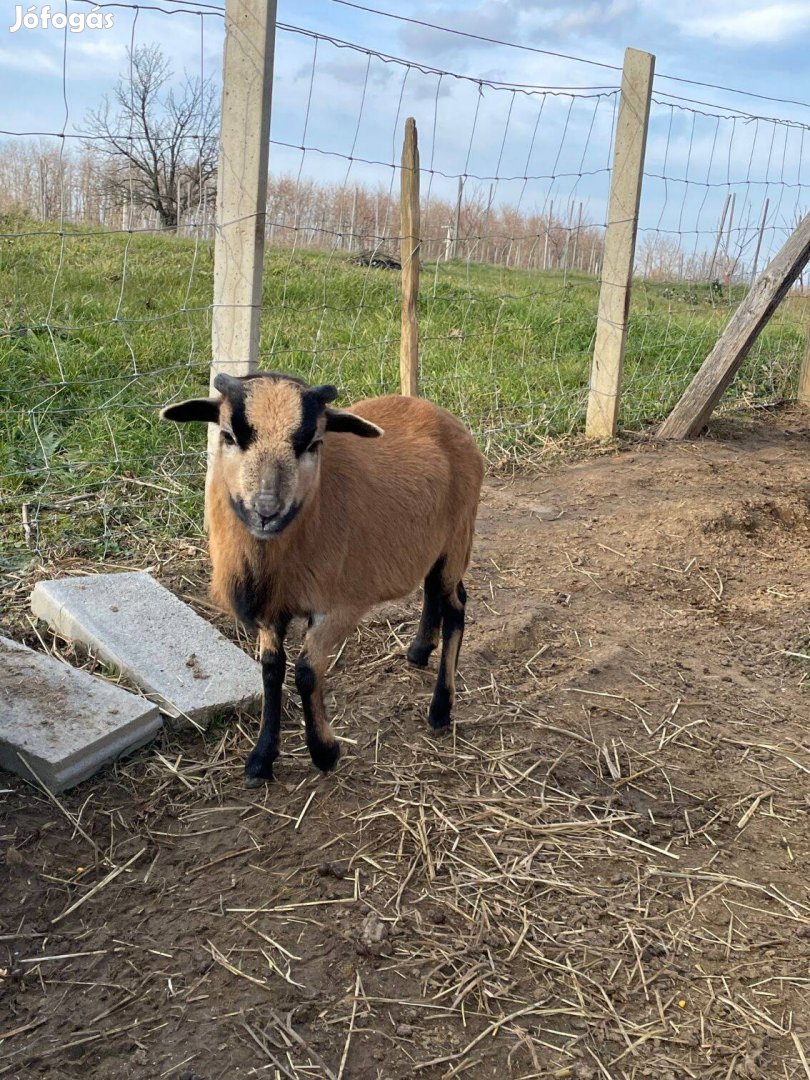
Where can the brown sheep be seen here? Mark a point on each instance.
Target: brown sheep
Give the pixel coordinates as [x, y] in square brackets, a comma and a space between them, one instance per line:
[323, 513]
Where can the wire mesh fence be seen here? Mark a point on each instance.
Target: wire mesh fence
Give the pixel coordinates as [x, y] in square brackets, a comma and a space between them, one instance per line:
[513, 200]
[723, 190]
[106, 269]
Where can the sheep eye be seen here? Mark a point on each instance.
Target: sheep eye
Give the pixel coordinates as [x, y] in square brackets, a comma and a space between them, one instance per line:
[228, 439]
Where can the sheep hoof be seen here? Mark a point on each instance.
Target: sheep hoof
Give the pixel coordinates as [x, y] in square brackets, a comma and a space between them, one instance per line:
[439, 714]
[324, 755]
[258, 771]
[439, 722]
[419, 654]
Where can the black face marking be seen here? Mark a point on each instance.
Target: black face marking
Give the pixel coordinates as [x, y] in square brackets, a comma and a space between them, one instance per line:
[313, 401]
[243, 432]
[311, 409]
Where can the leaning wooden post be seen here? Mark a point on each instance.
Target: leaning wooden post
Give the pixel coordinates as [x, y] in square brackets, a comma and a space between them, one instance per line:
[718, 369]
[409, 256]
[244, 144]
[620, 244]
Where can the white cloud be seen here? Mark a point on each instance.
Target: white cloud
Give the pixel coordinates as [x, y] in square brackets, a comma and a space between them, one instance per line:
[735, 24]
[36, 61]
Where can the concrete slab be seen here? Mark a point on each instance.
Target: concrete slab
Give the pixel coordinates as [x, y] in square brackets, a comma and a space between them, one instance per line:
[179, 659]
[65, 722]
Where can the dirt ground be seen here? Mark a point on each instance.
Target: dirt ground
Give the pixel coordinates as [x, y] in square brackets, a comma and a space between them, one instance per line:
[602, 873]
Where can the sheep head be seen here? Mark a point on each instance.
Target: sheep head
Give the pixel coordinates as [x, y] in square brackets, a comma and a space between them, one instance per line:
[271, 428]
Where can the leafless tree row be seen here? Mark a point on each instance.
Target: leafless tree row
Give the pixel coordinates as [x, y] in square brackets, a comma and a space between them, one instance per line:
[48, 182]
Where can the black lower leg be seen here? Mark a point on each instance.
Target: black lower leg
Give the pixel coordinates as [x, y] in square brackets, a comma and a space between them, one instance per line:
[259, 765]
[453, 608]
[427, 636]
[324, 749]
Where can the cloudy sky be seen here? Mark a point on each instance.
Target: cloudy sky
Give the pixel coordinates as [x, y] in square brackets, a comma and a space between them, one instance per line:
[525, 127]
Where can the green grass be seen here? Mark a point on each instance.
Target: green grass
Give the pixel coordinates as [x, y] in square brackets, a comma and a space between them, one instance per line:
[99, 331]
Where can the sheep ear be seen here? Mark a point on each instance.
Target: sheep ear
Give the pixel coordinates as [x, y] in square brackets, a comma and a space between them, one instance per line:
[203, 410]
[339, 420]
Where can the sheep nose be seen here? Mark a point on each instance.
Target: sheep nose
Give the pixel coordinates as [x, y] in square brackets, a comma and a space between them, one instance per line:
[266, 506]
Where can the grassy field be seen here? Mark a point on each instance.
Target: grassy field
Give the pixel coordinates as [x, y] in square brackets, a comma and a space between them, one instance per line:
[100, 330]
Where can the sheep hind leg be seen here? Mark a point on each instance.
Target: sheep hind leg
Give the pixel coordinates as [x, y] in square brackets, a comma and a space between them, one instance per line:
[427, 636]
[453, 608]
[259, 765]
[324, 635]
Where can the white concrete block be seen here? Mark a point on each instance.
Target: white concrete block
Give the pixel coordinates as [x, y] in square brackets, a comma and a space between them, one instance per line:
[177, 658]
[65, 722]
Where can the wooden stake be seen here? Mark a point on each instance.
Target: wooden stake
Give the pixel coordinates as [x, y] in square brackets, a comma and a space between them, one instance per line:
[803, 396]
[692, 412]
[720, 230]
[409, 254]
[620, 244]
[353, 225]
[765, 206]
[457, 224]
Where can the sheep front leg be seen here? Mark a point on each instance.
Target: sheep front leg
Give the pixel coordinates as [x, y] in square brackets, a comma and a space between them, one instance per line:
[324, 635]
[259, 765]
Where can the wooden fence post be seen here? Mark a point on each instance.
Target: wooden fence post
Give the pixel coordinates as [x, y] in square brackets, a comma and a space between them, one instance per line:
[244, 144]
[803, 396]
[409, 256]
[620, 244]
[718, 369]
[760, 236]
[721, 228]
[457, 219]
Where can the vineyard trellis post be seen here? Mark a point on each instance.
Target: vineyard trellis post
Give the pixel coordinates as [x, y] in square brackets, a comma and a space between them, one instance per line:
[629, 147]
[718, 239]
[803, 395]
[409, 257]
[760, 236]
[457, 217]
[244, 147]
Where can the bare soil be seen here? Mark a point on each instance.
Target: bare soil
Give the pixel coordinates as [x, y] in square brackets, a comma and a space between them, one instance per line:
[602, 873]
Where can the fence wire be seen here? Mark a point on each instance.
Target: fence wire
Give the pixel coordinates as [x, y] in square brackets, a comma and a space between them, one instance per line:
[106, 295]
[723, 190]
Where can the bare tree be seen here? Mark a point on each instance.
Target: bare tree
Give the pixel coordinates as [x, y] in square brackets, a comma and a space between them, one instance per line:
[160, 143]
